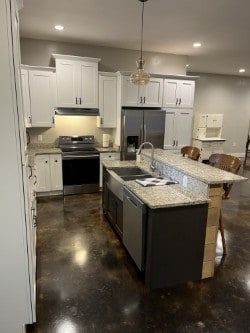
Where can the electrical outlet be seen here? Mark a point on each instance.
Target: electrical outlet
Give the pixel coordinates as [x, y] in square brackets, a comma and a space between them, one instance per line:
[184, 181]
[40, 138]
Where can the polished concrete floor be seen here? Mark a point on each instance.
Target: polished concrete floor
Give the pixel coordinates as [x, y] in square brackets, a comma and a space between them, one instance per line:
[86, 282]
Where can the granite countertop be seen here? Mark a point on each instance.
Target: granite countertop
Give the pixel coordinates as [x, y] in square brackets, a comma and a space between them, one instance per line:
[158, 196]
[40, 150]
[165, 196]
[201, 171]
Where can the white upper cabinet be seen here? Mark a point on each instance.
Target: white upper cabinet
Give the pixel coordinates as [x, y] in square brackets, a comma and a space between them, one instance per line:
[77, 81]
[38, 90]
[107, 101]
[178, 93]
[149, 95]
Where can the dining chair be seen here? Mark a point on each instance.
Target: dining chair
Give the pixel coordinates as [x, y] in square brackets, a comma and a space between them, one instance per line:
[247, 153]
[191, 152]
[231, 164]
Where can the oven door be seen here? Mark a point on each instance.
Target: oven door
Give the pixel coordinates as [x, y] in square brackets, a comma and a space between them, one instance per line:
[80, 173]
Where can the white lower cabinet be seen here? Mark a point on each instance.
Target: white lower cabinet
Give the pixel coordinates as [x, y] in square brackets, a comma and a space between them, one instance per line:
[178, 128]
[49, 173]
[107, 156]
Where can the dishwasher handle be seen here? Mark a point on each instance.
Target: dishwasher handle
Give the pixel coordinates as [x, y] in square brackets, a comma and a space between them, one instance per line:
[133, 203]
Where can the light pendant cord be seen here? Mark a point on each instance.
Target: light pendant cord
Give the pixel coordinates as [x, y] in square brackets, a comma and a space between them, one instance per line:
[142, 26]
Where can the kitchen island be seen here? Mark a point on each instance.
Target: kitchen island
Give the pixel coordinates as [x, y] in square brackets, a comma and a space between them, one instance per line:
[193, 203]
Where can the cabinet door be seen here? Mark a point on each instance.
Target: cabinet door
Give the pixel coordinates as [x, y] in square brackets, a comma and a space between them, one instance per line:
[169, 137]
[214, 120]
[56, 183]
[183, 128]
[107, 101]
[152, 93]
[186, 94]
[26, 96]
[42, 85]
[42, 173]
[130, 92]
[66, 83]
[87, 74]
[170, 93]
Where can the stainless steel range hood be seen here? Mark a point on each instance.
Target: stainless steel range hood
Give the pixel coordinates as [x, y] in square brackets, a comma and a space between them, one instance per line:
[76, 112]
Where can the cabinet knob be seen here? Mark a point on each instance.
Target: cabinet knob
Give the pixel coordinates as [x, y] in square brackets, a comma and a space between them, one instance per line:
[46, 161]
[56, 161]
[76, 101]
[144, 100]
[180, 101]
[80, 100]
[176, 101]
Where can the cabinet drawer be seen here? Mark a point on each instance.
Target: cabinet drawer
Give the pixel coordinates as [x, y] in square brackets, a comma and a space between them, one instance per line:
[211, 235]
[109, 156]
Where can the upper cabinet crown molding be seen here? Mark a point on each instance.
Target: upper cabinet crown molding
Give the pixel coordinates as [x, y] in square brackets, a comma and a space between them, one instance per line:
[39, 68]
[170, 76]
[75, 58]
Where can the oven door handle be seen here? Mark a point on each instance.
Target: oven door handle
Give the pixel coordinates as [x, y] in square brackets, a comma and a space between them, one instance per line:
[80, 157]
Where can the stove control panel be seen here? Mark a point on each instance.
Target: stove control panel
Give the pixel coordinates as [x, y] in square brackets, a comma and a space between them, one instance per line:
[88, 139]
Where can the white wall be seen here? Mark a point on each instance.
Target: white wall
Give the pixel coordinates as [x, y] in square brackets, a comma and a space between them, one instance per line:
[229, 95]
[14, 288]
[38, 53]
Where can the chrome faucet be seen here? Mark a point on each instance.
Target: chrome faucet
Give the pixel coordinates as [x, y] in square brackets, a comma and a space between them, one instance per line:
[152, 163]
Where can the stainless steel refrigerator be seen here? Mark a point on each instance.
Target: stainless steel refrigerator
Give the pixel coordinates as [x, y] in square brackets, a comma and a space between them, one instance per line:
[140, 125]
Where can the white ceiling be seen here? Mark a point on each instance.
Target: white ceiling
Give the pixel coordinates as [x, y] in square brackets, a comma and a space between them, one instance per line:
[170, 26]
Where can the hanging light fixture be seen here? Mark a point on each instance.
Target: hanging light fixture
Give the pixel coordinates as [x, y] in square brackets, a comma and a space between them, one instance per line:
[140, 77]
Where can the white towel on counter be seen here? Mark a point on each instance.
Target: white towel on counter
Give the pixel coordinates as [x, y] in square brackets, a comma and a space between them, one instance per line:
[155, 181]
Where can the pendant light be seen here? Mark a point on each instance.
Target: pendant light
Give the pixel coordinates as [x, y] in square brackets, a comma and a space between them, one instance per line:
[140, 77]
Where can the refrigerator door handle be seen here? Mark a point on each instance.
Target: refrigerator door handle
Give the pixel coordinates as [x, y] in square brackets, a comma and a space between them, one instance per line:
[141, 135]
[145, 133]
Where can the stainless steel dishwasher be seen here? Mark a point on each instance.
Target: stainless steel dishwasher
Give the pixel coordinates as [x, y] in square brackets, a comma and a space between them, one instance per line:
[134, 227]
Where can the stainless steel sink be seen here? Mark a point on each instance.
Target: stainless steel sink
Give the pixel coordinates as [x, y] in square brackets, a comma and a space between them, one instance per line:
[132, 177]
[130, 171]
[118, 175]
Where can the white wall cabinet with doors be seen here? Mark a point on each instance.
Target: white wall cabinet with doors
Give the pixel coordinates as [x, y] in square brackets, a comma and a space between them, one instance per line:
[107, 100]
[149, 95]
[48, 170]
[207, 125]
[76, 81]
[178, 93]
[39, 95]
[178, 128]
[107, 156]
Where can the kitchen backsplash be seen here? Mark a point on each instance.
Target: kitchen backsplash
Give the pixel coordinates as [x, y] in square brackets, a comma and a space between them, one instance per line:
[67, 125]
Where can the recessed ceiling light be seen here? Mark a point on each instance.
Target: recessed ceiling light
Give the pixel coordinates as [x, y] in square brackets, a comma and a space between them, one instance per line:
[242, 70]
[197, 44]
[187, 65]
[59, 27]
